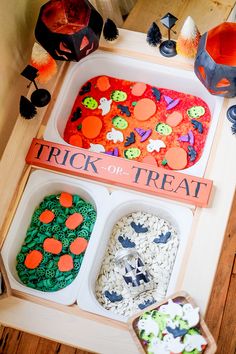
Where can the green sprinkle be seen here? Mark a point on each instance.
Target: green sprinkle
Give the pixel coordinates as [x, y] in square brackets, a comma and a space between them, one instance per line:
[61, 219]
[24, 249]
[31, 285]
[20, 257]
[55, 228]
[72, 210]
[50, 264]
[76, 199]
[57, 211]
[65, 242]
[164, 162]
[29, 238]
[31, 244]
[42, 237]
[20, 267]
[40, 272]
[50, 273]
[83, 233]
[51, 197]
[43, 228]
[71, 235]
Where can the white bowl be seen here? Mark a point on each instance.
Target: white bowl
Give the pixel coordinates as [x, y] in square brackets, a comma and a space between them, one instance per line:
[123, 203]
[41, 184]
[103, 63]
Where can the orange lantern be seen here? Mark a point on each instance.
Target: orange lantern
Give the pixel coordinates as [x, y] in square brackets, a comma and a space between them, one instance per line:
[215, 63]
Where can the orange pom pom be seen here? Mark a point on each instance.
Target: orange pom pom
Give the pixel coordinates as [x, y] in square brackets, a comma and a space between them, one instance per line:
[45, 64]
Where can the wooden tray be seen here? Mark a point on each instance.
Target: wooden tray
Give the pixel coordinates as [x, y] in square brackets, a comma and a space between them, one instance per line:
[180, 297]
[69, 324]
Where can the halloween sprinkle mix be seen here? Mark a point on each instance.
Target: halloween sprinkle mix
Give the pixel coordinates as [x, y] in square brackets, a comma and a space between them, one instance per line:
[126, 118]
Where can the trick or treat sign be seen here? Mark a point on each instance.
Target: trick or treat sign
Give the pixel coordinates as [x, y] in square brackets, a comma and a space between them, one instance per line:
[125, 173]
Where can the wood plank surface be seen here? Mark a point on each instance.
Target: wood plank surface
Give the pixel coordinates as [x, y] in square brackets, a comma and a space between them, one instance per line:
[218, 299]
[13, 158]
[206, 14]
[28, 343]
[9, 341]
[227, 335]
[16, 342]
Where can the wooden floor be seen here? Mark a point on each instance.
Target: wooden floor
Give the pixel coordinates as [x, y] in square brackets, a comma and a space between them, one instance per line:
[206, 14]
[16, 342]
[221, 313]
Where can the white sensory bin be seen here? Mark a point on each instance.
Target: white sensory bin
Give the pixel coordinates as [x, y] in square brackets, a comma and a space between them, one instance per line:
[103, 63]
[120, 204]
[39, 185]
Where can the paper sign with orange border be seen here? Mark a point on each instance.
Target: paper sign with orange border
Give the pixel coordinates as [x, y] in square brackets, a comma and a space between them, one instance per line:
[119, 171]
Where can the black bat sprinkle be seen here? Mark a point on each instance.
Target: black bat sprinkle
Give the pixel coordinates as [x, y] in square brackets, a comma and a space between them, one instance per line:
[156, 93]
[197, 125]
[177, 332]
[126, 242]
[140, 229]
[192, 153]
[76, 115]
[130, 139]
[113, 296]
[124, 110]
[146, 303]
[163, 238]
[85, 89]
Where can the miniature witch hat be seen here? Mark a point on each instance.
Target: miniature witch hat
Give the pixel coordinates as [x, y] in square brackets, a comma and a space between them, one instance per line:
[114, 152]
[143, 133]
[171, 103]
[40, 97]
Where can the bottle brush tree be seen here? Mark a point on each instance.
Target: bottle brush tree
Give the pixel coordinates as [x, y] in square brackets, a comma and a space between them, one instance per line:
[110, 31]
[27, 108]
[154, 35]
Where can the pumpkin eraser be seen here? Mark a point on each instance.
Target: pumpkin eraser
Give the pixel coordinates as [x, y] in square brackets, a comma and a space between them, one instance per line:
[78, 246]
[66, 200]
[65, 263]
[74, 221]
[46, 216]
[33, 259]
[51, 245]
